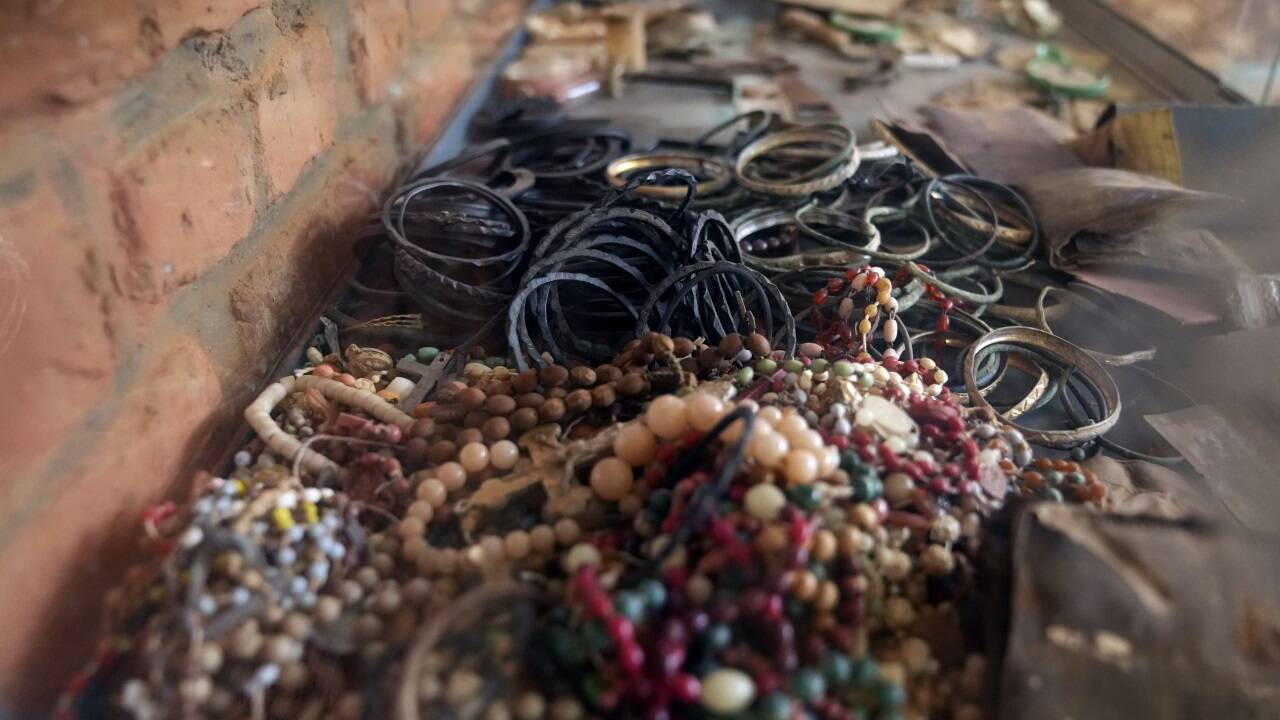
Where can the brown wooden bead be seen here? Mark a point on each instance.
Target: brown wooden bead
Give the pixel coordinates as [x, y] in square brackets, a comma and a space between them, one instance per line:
[631, 384]
[525, 382]
[709, 358]
[500, 405]
[533, 400]
[578, 401]
[631, 345]
[608, 374]
[417, 449]
[475, 419]
[582, 376]
[556, 392]
[682, 347]
[471, 397]
[731, 345]
[442, 451]
[424, 428]
[554, 375]
[470, 435]
[552, 410]
[523, 419]
[603, 396]
[758, 344]
[641, 357]
[496, 428]
[659, 344]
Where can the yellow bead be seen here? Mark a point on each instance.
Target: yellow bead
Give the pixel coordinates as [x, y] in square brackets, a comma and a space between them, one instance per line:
[282, 518]
[870, 311]
[311, 513]
[864, 326]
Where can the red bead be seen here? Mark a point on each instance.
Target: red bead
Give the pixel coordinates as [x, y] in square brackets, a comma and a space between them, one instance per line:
[944, 323]
[820, 297]
[835, 285]
[666, 452]
[632, 659]
[621, 630]
[890, 363]
[947, 304]
[910, 367]
[685, 687]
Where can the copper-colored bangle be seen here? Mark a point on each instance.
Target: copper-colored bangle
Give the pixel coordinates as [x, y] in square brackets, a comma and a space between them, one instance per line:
[717, 173]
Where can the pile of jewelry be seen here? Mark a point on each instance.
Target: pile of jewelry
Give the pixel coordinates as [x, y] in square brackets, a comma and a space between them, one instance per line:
[729, 487]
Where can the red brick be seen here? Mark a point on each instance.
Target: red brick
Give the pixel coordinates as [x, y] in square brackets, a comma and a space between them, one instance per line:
[490, 27]
[54, 335]
[182, 201]
[175, 20]
[377, 45]
[295, 106]
[57, 569]
[435, 85]
[426, 17]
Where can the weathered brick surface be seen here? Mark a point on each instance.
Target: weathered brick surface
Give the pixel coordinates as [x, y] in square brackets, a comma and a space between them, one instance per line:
[379, 30]
[182, 200]
[180, 186]
[295, 106]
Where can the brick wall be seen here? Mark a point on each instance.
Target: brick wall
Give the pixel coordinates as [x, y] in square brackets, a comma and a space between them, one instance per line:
[178, 184]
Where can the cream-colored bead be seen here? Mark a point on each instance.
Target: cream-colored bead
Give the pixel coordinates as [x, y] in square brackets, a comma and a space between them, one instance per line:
[611, 479]
[474, 457]
[504, 454]
[800, 467]
[635, 444]
[433, 491]
[703, 410]
[767, 447]
[582, 555]
[567, 531]
[517, 544]
[764, 501]
[453, 475]
[667, 417]
[542, 538]
[828, 461]
[769, 415]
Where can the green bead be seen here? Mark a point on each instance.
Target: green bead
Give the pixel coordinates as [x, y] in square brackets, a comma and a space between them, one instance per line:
[794, 608]
[1055, 478]
[843, 368]
[866, 488]
[1078, 454]
[819, 366]
[837, 667]
[866, 381]
[775, 707]
[805, 496]
[495, 361]
[408, 358]
[865, 671]
[718, 636]
[890, 695]
[849, 459]
[808, 684]
[427, 354]
[629, 605]
[1054, 494]
[819, 570]
[766, 366]
[746, 375]
[654, 594]
[1075, 478]
[793, 366]
[595, 637]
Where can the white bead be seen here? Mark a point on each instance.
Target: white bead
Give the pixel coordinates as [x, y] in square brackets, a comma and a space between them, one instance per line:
[401, 386]
[765, 501]
[582, 554]
[727, 691]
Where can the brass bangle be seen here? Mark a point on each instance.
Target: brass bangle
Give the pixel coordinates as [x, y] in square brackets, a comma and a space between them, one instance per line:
[1053, 348]
[717, 173]
[1042, 320]
[848, 157]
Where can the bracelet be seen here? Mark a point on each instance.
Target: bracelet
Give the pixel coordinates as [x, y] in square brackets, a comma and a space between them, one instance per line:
[1106, 358]
[1061, 354]
[718, 174]
[847, 160]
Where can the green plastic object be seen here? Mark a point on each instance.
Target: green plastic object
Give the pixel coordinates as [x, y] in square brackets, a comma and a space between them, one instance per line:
[1051, 72]
[866, 29]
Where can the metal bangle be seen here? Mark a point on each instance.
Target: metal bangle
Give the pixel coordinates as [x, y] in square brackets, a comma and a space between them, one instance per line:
[1105, 358]
[1057, 352]
[831, 134]
[699, 166]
